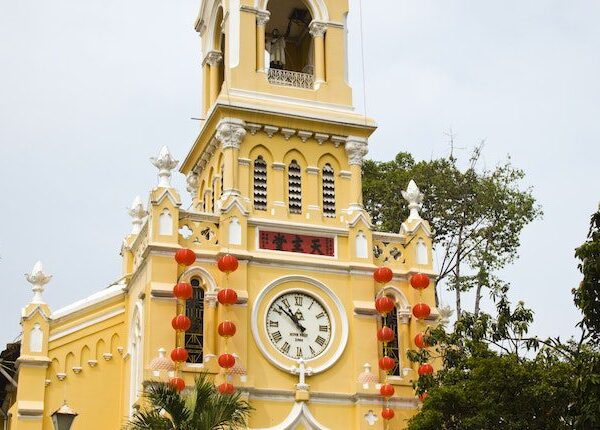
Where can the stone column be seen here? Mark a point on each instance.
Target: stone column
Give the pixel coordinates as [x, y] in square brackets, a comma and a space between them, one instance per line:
[404, 341]
[205, 87]
[230, 133]
[214, 58]
[317, 31]
[356, 149]
[262, 17]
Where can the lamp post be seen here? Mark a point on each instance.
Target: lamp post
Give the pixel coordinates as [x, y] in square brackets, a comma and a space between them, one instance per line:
[63, 417]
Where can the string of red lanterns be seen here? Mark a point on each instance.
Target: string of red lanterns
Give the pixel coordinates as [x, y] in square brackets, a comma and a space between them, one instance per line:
[384, 305]
[227, 264]
[420, 281]
[181, 323]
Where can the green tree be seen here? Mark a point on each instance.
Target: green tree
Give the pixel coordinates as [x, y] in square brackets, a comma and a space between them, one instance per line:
[202, 409]
[477, 215]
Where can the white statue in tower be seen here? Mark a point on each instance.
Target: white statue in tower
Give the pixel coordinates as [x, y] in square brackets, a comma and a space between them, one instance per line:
[276, 48]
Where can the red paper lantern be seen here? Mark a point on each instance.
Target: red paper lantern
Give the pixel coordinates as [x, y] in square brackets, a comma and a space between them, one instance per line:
[419, 281]
[387, 414]
[383, 275]
[226, 388]
[385, 334]
[185, 257]
[177, 383]
[386, 363]
[226, 329]
[183, 291]
[227, 296]
[181, 323]
[179, 355]
[425, 369]
[227, 263]
[226, 361]
[384, 304]
[387, 390]
[420, 340]
[423, 396]
[421, 310]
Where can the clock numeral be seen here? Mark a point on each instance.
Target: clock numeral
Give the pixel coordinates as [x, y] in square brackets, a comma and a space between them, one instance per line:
[312, 303]
[285, 348]
[324, 328]
[273, 323]
[277, 336]
[298, 300]
[277, 311]
[312, 351]
[286, 303]
[298, 352]
[320, 340]
[320, 315]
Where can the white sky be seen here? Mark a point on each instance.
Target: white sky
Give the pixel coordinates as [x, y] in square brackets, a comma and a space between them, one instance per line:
[90, 90]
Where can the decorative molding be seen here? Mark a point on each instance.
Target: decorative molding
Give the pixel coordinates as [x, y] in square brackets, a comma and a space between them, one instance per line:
[312, 170]
[304, 135]
[102, 317]
[317, 29]
[244, 161]
[288, 132]
[230, 132]
[338, 140]
[300, 415]
[344, 174]
[95, 299]
[253, 128]
[356, 148]
[213, 58]
[278, 166]
[270, 130]
[262, 17]
[321, 137]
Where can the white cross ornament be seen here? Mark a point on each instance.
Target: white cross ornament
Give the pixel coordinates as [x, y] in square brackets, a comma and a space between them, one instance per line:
[302, 371]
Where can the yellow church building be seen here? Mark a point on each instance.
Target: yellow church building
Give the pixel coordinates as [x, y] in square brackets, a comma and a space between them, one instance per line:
[275, 179]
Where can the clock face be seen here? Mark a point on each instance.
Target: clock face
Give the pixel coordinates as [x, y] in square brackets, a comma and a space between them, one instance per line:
[298, 325]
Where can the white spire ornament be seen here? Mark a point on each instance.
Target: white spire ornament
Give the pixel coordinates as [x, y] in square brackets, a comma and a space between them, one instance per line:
[38, 279]
[414, 197]
[137, 212]
[164, 163]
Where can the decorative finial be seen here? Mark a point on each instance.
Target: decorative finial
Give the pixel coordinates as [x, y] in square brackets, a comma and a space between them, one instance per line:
[164, 163]
[414, 197]
[137, 214]
[38, 279]
[367, 377]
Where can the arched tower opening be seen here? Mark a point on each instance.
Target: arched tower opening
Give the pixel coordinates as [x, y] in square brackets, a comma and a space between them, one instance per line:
[288, 42]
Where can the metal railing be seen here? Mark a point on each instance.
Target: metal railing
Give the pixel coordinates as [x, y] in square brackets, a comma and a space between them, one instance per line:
[291, 79]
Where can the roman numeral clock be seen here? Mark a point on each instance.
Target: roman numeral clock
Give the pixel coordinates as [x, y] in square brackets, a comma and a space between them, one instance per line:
[298, 318]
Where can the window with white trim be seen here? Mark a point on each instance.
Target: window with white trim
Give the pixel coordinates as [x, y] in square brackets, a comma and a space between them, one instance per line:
[392, 349]
[294, 188]
[328, 176]
[260, 184]
[194, 310]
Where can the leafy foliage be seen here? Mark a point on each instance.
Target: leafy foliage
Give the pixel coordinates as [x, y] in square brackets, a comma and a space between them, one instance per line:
[477, 215]
[494, 376]
[202, 409]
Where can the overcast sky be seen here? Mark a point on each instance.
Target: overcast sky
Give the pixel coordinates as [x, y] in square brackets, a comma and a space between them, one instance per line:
[89, 90]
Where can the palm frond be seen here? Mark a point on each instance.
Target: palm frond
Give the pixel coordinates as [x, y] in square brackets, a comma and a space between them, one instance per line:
[149, 420]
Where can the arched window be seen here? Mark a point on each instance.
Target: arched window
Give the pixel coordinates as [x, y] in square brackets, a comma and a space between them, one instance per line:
[194, 309]
[212, 195]
[294, 188]
[260, 184]
[392, 349]
[328, 191]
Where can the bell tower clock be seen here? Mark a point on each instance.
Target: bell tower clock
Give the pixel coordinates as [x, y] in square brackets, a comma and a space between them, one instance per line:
[275, 179]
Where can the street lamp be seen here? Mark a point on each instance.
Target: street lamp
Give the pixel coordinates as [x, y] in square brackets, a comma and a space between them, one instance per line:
[63, 417]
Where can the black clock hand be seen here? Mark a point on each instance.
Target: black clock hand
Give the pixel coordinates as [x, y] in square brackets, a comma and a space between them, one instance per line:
[293, 318]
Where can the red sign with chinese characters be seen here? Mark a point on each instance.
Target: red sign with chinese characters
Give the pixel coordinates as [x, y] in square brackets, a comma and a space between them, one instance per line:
[291, 242]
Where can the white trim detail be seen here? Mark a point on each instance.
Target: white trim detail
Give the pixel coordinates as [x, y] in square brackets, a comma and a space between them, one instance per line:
[299, 415]
[94, 299]
[344, 329]
[88, 323]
